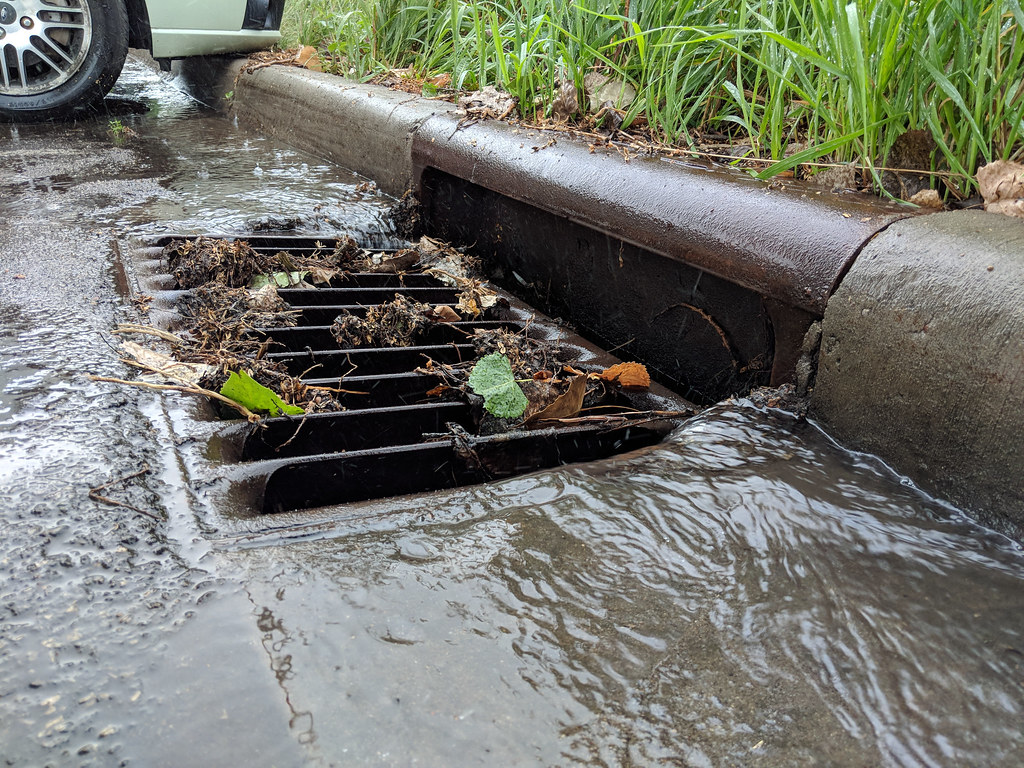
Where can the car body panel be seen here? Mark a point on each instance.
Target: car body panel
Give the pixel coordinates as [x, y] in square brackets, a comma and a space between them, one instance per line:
[177, 43]
[196, 14]
[181, 28]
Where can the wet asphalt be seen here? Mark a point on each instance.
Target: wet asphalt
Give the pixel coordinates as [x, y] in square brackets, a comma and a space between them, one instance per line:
[119, 643]
[747, 594]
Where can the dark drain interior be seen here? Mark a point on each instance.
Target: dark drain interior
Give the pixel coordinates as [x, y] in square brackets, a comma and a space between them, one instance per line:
[393, 438]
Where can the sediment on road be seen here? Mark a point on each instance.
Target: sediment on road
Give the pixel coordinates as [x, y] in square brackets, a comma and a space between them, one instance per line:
[921, 320]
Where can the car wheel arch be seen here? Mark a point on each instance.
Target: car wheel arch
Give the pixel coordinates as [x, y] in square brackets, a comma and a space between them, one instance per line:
[140, 33]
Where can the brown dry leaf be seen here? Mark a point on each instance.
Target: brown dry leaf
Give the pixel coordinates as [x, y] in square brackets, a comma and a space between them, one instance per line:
[475, 298]
[439, 390]
[927, 198]
[1002, 185]
[162, 367]
[400, 262]
[468, 306]
[488, 102]
[323, 275]
[442, 313]
[307, 57]
[628, 375]
[566, 406]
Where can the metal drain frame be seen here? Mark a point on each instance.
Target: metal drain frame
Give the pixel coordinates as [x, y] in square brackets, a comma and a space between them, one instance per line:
[393, 441]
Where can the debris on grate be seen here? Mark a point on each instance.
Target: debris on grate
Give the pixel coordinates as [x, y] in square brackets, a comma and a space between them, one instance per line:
[368, 375]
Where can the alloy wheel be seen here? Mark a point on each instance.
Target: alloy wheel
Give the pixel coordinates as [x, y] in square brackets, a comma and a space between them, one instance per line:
[43, 43]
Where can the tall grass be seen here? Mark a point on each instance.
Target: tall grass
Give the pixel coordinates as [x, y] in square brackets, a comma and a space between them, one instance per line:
[801, 80]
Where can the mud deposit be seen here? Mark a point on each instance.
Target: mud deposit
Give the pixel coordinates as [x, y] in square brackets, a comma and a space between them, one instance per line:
[745, 594]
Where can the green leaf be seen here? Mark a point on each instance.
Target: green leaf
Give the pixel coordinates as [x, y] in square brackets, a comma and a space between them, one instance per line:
[245, 390]
[281, 279]
[810, 154]
[492, 378]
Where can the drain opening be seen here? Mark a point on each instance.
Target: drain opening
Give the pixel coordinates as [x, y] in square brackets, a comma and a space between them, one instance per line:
[397, 428]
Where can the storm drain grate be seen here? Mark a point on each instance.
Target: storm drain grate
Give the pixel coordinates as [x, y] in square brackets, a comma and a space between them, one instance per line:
[394, 438]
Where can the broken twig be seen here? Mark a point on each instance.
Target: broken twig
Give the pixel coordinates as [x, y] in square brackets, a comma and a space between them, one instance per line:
[187, 389]
[94, 493]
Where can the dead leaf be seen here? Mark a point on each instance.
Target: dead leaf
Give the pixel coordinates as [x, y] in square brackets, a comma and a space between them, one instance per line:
[1002, 186]
[620, 95]
[488, 102]
[565, 103]
[542, 375]
[468, 306]
[444, 80]
[266, 299]
[323, 274]
[927, 198]
[627, 375]
[162, 367]
[309, 58]
[442, 313]
[439, 390]
[476, 298]
[403, 260]
[566, 406]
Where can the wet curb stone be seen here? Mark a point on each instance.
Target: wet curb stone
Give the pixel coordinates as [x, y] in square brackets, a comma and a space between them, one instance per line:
[922, 359]
[367, 129]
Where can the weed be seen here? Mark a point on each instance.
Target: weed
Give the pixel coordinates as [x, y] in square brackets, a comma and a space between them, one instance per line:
[118, 131]
[843, 79]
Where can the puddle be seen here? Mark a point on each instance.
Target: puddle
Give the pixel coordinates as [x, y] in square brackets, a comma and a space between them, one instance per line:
[745, 594]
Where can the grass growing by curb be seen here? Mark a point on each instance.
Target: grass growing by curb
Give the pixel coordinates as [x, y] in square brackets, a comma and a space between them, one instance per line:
[827, 79]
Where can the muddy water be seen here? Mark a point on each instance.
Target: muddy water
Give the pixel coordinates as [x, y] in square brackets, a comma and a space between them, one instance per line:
[744, 594]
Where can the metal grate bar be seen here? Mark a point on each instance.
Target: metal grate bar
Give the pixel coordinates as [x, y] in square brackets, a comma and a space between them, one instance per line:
[300, 297]
[352, 430]
[321, 480]
[319, 336]
[395, 438]
[339, 362]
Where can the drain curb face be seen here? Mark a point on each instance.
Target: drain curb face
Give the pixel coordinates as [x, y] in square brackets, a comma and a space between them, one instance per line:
[393, 438]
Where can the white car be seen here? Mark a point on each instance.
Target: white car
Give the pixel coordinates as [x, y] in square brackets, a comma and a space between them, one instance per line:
[59, 56]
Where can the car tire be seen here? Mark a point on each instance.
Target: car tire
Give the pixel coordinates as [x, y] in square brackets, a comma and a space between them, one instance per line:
[58, 59]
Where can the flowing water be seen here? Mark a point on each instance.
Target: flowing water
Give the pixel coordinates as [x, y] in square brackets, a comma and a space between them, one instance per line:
[746, 593]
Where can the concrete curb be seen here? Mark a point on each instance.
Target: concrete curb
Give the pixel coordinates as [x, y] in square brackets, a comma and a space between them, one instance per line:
[922, 358]
[940, 401]
[365, 128]
[776, 240]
